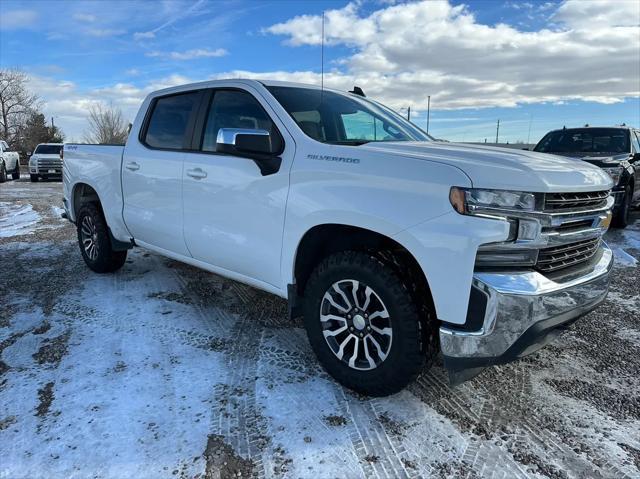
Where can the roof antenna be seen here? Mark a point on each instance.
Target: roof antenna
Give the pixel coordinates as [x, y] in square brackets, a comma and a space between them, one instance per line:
[322, 59]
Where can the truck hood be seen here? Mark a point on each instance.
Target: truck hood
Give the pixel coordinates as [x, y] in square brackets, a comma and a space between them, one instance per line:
[503, 168]
[599, 159]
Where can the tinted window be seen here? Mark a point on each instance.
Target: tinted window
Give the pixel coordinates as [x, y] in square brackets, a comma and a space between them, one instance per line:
[637, 142]
[234, 109]
[168, 123]
[333, 117]
[48, 149]
[586, 140]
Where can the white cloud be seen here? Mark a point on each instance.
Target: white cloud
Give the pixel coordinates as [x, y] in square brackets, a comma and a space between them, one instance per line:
[190, 54]
[404, 52]
[143, 35]
[599, 14]
[104, 32]
[84, 17]
[17, 19]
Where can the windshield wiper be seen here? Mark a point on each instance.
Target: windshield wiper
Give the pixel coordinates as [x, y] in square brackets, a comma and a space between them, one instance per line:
[349, 142]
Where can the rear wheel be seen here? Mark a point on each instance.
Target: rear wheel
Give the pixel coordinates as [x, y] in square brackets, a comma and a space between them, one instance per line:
[34, 178]
[363, 324]
[94, 241]
[621, 217]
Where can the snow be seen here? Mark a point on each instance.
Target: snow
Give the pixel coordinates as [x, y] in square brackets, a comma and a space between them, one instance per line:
[622, 258]
[16, 219]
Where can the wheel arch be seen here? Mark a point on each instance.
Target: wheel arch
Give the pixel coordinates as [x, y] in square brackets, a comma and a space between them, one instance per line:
[322, 240]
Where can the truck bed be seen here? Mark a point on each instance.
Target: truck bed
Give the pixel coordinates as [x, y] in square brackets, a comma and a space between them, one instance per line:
[99, 167]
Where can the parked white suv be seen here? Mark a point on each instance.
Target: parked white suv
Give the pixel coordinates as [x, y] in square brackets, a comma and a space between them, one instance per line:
[392, 246]
[9, 162]
[46, 162]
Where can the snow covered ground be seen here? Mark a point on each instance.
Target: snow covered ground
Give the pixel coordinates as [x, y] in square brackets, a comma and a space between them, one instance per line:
[162, 370]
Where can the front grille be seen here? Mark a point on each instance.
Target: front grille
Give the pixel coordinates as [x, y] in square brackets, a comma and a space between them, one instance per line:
[563, 256]
[49, 164]
[558, 202]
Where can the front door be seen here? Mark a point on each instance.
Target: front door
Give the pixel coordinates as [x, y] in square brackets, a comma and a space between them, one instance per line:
[152, 173]
[233, 215]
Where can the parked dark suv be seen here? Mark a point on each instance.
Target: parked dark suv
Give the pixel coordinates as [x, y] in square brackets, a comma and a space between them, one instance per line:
[614, 149]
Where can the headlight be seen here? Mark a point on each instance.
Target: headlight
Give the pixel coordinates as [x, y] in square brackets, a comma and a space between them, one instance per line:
[32, 160]
[469, 201]
[615, 173]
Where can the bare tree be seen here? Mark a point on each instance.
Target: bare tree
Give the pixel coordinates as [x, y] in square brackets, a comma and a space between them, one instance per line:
[106, 125]
[16, 102]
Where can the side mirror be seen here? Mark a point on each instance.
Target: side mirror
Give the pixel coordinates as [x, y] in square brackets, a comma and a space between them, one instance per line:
[29, 154]
[259, 145]
[635, 157]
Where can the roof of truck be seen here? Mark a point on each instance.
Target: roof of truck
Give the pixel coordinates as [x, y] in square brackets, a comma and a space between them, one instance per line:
[246, 81]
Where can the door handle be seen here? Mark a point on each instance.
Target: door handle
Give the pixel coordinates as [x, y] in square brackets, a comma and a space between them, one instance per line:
[132, 165]
[197, 173]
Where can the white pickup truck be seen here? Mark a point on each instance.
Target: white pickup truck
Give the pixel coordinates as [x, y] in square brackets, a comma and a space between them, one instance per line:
[393, 247]
[9, 162]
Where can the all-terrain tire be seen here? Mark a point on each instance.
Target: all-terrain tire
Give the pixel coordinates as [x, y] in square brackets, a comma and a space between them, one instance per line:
[406, 357]
[621, 217]
[103, 259]
[34, 178]
[16, 173]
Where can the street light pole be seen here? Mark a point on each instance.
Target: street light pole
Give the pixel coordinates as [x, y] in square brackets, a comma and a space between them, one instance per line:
[497, 131]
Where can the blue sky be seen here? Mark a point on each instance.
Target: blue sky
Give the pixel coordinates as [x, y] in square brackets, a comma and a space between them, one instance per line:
[534, 65]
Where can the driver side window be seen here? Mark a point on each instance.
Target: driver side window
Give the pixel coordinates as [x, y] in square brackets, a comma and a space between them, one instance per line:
[234, 109]
[363, 126]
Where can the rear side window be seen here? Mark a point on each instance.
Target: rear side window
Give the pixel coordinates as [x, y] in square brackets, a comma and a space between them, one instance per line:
[234, 109]
[169, 121]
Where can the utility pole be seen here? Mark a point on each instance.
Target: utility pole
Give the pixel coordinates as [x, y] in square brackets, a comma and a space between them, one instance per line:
[497, 131]
[428, 111]
[52, 124]
[408, 113]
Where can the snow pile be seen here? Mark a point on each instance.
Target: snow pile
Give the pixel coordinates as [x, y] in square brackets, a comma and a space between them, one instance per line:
[17, 219]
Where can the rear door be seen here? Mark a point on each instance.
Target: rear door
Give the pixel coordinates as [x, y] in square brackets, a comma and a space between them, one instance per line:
[152, 172]
[233, 215]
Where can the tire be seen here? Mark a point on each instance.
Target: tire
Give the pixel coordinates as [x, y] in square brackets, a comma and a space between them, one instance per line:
[3, 173]
[16, 173]
[94, 241]
[621, 217]
[34, 178]
[404, 355]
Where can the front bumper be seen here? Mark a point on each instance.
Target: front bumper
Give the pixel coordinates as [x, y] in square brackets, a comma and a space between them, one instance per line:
[522, 312]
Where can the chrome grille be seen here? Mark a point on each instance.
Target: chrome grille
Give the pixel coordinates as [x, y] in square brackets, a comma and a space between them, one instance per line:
[563, 256]
[49, 163]
[558, 202]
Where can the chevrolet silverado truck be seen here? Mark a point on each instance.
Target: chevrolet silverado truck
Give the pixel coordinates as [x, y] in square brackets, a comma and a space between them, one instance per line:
[393, 247]
[614, 149]
[9, 162]
[46, 162]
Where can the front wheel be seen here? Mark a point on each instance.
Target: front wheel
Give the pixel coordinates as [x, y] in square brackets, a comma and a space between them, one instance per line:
[16, 173]
[3, 173]
[34, 178]
[94, 241]
[364, 325]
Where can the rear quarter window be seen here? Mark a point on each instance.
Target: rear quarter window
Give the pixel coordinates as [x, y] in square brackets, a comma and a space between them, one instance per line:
[169, 121]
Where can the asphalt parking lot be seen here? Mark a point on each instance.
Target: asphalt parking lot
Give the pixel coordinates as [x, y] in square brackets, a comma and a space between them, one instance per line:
[162, 370]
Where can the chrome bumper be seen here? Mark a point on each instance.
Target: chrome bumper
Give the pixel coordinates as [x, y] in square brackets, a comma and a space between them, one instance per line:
[521, 313]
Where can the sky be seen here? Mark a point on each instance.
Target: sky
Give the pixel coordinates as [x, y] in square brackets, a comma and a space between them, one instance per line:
[534, 65]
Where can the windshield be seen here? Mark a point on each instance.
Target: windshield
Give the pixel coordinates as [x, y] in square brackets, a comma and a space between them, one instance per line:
[343, 119]
[48, 149]
[585, 140]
